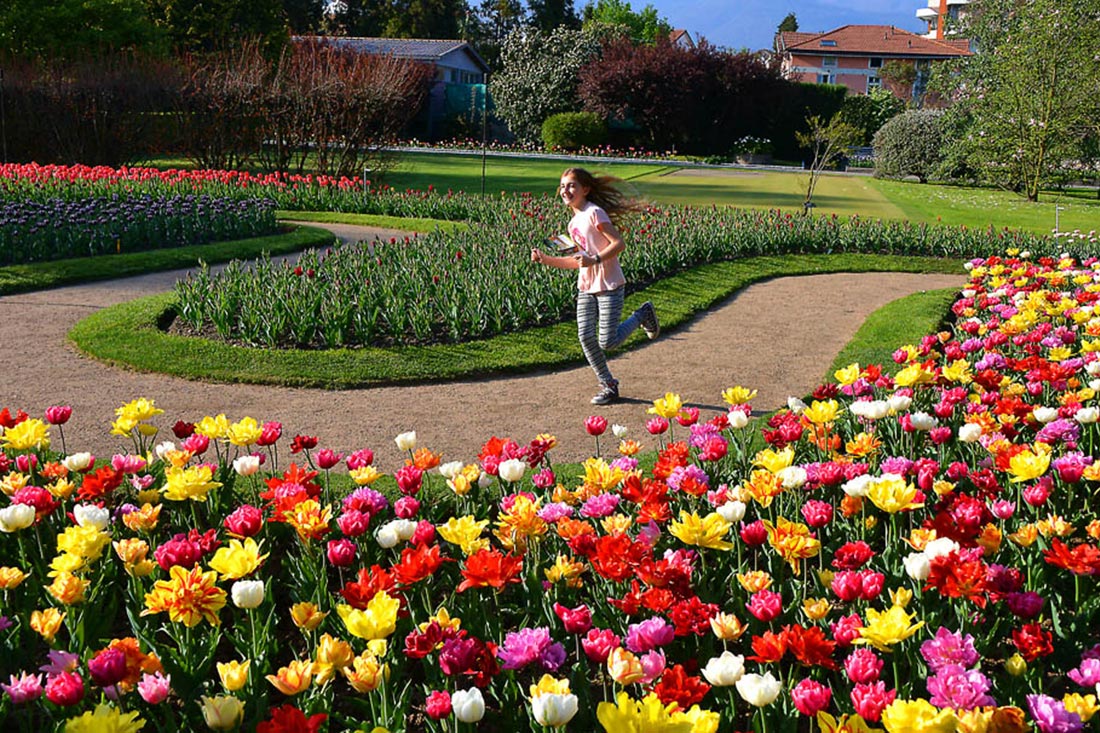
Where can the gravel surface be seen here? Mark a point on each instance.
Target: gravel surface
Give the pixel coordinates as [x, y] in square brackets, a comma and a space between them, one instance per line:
[777, 337]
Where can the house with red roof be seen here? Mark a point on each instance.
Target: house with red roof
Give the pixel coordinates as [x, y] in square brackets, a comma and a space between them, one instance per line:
[853, 56]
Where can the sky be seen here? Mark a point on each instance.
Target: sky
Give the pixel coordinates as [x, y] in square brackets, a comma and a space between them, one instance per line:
[751, 23]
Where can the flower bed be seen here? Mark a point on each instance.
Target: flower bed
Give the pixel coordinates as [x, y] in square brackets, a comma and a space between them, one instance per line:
[479, 283]
[914, 551]
[56, 228]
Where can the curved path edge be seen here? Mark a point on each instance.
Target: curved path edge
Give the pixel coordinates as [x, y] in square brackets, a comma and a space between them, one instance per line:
[777, 337]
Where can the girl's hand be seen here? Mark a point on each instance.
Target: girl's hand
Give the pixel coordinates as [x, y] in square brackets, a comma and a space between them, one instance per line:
[536, 256]
[584, 259]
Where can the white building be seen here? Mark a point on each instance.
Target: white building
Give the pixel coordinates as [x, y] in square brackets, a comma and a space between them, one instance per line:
[939, 14]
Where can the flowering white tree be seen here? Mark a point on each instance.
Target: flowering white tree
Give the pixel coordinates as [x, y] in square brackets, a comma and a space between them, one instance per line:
[1031, 91]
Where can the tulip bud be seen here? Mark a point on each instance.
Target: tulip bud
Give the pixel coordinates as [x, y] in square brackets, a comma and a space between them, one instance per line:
[223, 712]
[468, 705]
[248, 593]
[406, 441]
[1015, 665]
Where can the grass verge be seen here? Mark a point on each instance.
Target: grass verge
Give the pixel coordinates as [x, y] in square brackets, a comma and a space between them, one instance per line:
[41, 275]
[903, 321]
[128, 334]
[408, 224]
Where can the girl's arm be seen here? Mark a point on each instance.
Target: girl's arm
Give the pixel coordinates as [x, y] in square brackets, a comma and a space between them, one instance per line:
[562, 263]
[614, 246]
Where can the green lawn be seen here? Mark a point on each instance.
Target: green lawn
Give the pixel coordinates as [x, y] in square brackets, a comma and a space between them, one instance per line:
[502, 173]
[835, 194]
[982, 207]
[843, 195]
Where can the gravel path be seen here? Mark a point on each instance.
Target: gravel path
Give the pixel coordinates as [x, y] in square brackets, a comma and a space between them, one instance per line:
[777, 337]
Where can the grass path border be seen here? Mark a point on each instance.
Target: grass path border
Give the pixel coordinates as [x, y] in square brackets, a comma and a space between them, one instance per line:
[128, 334]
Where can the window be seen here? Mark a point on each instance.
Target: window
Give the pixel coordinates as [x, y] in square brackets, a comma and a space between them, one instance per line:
[826, 78]
[875, 63]
[828, 43]
[873, 82]
[828, 61]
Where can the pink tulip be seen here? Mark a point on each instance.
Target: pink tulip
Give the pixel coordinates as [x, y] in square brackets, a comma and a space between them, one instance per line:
[595, 425]
[811, 697]
[58, 414]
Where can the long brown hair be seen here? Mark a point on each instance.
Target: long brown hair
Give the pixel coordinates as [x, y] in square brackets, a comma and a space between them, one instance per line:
[604, 191]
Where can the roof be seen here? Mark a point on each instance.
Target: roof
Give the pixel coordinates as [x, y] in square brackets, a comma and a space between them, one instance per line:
[877, 40]
[419, 49]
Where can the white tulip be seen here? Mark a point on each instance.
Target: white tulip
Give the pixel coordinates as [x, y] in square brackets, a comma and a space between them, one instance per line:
[969, 293]
[78, 462]
[406, 441]
[405, 529]
[899, 402]
[732, 511]
[1094, 385]
[1093, 368]
[795, 405]
[511, 470]
[468, 705]
[619, 431]
[16, 517]
[917, 565]
[484, 480]
[246, 465]
[164, 448]
[1087, 415]
[940, 547]
[759, 690]
[923, 421]
[552, 709]
[970, 432]
[738, 419]
[871, 409]
[247, 593]
[1045, 414]
[386, 536]
[857, 486]
[89, 515]
[724, 670]
[792, 477]
[450, 469]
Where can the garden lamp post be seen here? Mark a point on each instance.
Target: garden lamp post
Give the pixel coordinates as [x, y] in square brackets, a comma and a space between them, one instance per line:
[1057, 210]
[3, 122]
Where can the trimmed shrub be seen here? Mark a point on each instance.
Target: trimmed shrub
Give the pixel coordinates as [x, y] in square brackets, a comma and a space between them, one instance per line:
[910, 144]
[573, 131]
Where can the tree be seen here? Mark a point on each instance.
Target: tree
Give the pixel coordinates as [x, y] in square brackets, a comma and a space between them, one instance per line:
[208, 25]
[643, 26]
[425, 19]
[76, 29]
[789, 24]
[538, 76]
[696, 100]
[869, 112]
[304, 16]
[547, 15]
[910, 144]
[1032, 90]
[496, 19]
[826, 142]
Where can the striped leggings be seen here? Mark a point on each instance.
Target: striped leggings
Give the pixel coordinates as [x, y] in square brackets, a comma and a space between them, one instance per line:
[602, 310]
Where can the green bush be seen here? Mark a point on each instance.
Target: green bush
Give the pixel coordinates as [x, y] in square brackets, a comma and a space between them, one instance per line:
[910, 144]
[573, 131]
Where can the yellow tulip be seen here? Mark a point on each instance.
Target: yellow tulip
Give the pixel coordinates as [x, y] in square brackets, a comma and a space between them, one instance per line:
[667, 407]
[31, 434]
[377, 621]
[293, 678]
[47, 623]
[233, 674]
[307, 616]
[189, 483]
[237, 559]
[821, 412]
[708, 532]
[738, 395]
[365, 673]
[886, 628]
[244, 433]
[893, 494]
[332, 654]
[917, 716]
